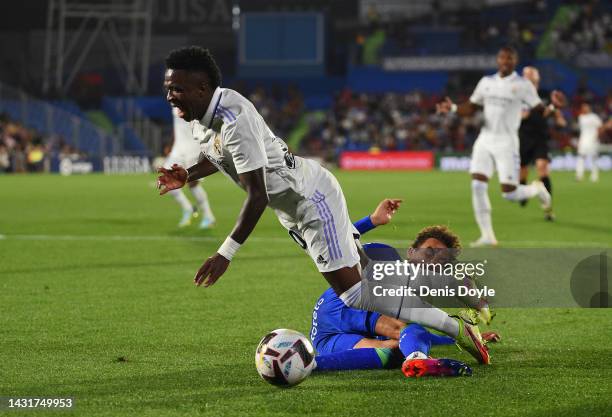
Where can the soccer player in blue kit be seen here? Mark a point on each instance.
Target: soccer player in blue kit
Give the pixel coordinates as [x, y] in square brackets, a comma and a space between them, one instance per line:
[351, 339]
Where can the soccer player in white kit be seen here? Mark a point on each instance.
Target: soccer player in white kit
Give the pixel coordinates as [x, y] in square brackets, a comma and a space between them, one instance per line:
[502, 97]
[307, 198]
[186, 152]
[590, 126]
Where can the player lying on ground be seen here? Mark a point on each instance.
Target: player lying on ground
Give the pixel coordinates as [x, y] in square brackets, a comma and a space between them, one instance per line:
[185, 152]
[349, 339]
[534, 138]
[306, 197]
[502, 97]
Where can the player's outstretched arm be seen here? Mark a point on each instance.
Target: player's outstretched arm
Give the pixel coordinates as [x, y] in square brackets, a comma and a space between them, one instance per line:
[385, 211]
[171, 179]
[177, 176]
[382, 215]
[464, 109]
[254, 206]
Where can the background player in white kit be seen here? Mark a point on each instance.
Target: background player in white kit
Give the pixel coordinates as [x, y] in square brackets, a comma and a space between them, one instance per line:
[590, 126]
[185, 152]
[307, 198]
[502, 97]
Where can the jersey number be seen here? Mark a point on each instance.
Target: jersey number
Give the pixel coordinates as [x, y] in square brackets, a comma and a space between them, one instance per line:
[298, 239]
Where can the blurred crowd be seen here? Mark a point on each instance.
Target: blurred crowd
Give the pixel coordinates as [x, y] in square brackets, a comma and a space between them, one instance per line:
[588, 30]
[24, 150]
[409, 122]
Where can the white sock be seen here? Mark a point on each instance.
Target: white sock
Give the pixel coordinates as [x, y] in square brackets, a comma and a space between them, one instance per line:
[580, 167]
[406, 309]
[594, 168]
[202, 199]
[180, 198]
[482, 208]
[522, 192]
[416, 355]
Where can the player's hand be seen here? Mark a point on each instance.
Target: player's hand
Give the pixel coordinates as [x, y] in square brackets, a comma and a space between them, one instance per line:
[558, 99]
[211, 271]
[171, 179]
[444, 106]
[385, 211]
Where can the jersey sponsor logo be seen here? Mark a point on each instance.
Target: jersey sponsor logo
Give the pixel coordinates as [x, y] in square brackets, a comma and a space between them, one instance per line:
[321, 260]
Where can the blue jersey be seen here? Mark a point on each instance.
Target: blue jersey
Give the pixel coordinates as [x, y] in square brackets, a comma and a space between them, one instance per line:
[336, 327]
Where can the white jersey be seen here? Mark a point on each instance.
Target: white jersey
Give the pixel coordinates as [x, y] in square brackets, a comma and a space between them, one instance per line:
[305, 196]
[589, 129]
[235, 138]
[184, 141]
[503, 99]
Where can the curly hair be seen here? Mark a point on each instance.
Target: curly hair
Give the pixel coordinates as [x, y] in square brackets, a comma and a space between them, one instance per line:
[441, 233]
[195, 58]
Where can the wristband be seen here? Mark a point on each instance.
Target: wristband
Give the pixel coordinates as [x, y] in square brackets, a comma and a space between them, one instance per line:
[229, 248]
[453, 108]
[364, 225]
[551, 107]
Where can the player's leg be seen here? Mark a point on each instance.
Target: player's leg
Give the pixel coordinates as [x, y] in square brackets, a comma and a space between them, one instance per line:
[183, 201]
[594, 167]
[366, 353]
[527, 158]
[507, 163]
[179, 195]
[327, 232]
[523, 181]
[201, 197]
[406, 309]
[580, 167]
[543, 171]
[415, 344]
[481, 169]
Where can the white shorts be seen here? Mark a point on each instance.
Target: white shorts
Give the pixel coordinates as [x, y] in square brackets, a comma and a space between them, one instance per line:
[486, 158]
[588, 149]
[321, 225]
[182, 158]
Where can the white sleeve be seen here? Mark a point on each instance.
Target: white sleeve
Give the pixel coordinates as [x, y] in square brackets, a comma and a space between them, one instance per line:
[477, 96]
[530, 95]
[598, 123]
[245, 142]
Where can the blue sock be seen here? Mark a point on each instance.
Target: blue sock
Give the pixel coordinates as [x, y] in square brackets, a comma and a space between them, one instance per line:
[352, 359]
[415, 338]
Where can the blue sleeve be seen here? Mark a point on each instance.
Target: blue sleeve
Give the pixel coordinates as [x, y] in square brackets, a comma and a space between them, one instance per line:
[364, 225]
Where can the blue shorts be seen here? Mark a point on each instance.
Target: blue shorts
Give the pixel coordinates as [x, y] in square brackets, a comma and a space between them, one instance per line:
[336, 327]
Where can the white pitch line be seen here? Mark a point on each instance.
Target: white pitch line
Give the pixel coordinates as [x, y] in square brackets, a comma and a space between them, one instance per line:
[283, 240]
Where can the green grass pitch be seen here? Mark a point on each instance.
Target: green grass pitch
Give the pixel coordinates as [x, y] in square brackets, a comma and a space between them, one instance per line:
[97, 303]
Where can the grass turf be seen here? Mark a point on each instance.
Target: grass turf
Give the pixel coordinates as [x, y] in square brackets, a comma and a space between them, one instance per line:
[96, 303]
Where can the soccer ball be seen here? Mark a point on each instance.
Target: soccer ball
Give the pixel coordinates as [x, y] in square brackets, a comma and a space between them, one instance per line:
[284, 357]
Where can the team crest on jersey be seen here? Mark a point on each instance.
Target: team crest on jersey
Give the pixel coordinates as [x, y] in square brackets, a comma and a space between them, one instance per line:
[217, 144]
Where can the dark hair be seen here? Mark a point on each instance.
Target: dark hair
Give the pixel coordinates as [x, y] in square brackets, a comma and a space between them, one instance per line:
[195, 58]
[510, 49]
[441, 233]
